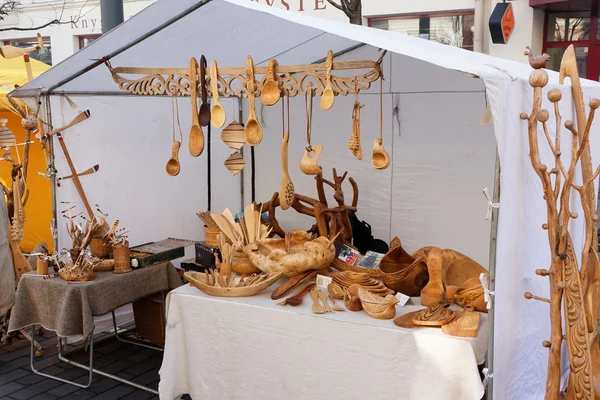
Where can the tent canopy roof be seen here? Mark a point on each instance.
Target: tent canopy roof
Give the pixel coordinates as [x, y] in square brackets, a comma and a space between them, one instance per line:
[228, 30]
[13, 72]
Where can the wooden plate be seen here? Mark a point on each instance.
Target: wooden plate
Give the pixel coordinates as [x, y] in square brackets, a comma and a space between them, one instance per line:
[405, 321]
[435, 316]
[198, 280]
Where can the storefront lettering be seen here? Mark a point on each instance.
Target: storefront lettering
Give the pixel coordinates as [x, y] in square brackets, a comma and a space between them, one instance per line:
[319, 5]
[83, 23]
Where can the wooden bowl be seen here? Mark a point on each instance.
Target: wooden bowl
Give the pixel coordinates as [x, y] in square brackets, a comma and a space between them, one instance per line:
[342, 266]
[377, 306]
[198, 280]
[461, 270]
[403, 273]
[242, 264]
[99, 247]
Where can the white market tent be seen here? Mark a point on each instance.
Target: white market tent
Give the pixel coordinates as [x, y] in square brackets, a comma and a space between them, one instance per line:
[442, 157]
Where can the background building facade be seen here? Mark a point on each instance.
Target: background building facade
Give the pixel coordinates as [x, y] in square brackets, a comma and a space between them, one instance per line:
[545, 25]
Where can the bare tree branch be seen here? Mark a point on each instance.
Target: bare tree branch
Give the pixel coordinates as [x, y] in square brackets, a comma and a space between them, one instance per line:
[333, 3]
[8, 7]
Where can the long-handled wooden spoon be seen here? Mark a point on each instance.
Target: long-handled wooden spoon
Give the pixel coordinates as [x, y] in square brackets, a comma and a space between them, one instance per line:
[204, 114]
[298, 297]
[270, 91]
[173, 167]
[196, 141]
[286, 189]
[217, 114]
[252, 131]
[381, 158]
[328, 97]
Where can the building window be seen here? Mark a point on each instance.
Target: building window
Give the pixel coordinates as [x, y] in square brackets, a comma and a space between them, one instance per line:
[454, 29]
[577, 28]
[84, 41]
[37, 55]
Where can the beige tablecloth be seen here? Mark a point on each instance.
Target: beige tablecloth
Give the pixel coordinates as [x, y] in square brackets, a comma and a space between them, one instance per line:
[250, 348]
[69, 308]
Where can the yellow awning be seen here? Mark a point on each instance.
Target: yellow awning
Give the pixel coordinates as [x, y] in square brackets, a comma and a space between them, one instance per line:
[12, 72]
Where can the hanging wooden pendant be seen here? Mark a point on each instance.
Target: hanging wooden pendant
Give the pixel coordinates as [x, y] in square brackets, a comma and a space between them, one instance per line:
[309, 163]
[235, 163]
[233, 135]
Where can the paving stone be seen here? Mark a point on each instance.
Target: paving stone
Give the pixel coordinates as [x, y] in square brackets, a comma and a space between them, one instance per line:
[13, 375]
[81, 394]
[115, 393]
[9, 388]
[140, 395]
[63, 391]
[43, 396]
[33, 390]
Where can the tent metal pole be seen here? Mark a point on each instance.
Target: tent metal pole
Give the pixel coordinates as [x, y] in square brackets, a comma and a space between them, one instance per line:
[128, 45]
[492, 284]
[52, 168]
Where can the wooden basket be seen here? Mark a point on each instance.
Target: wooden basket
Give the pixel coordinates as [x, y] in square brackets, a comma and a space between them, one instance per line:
[342, 266]
[242, 264]
[121, 257]
[210, 236]
[99, 248]
[198, 280]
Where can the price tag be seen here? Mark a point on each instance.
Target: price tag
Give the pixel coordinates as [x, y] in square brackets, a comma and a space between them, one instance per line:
[402, 298]
[323, 281]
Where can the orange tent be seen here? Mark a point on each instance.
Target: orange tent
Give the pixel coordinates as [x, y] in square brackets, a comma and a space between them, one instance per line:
[38, 210]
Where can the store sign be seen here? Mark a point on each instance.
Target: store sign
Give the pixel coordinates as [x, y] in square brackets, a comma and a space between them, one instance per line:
[296, 5]
[502, 23]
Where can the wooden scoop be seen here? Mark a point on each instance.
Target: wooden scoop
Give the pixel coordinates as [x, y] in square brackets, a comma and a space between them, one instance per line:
[328, 97]
[173, 166]
[298, 297]
[204, 115]
[381, 159]
[309, 162]
[270, 91]
[196, 140]
[253, 131]
[217, 114]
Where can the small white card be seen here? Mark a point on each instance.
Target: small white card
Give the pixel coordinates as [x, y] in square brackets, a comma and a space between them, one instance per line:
[323, 281]
[402, 298]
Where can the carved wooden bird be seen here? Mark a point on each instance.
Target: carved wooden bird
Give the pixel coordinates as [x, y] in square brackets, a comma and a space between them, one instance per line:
[536, 62]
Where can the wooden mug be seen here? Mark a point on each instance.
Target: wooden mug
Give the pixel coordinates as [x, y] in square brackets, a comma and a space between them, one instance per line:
[121, 256]
[42, 267]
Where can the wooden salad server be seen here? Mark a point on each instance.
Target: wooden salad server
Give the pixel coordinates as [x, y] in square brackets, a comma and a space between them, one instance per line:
[253, 131]
[270, 91]
[328, 97]
[204, 113]
[79, 118]
[196, 140]
[217, 114]
[286, 189]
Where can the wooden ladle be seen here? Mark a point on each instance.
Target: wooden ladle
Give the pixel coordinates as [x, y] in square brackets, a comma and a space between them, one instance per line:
[217, 114]
[252, 131]
[204, 115]
[381, 158]
[196, 141]
[270, 91]
[328, 97]
[173, 167]
[309, 161]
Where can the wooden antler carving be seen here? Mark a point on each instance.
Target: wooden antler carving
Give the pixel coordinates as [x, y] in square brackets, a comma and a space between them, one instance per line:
[573, 291]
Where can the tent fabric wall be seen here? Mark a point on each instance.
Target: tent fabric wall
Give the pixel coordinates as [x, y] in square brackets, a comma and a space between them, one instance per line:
[131, 137]
[442, 158]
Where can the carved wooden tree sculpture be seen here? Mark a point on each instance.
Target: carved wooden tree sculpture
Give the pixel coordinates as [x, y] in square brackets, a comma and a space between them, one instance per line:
[329, 221]
[573, 291]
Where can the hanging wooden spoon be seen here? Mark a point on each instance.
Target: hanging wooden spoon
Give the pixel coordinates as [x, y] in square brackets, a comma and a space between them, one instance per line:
[173, 167]
[253, 131]
[217, 114]
[286, 189]
[196, 141]
[328, 97]
[309, 162]
[204, 115]
[381, 159]
[270, 91]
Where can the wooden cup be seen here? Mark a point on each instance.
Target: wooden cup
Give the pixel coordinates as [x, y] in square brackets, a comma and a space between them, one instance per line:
[42, 267]
[121, 257]
[99, 248]
[210, 236]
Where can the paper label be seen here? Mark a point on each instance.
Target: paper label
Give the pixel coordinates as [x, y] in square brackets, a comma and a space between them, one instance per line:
[323, 281]
[402, 298]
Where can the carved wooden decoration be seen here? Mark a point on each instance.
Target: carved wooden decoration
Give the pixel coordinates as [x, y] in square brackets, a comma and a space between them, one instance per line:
[292, 79]
[572, 291]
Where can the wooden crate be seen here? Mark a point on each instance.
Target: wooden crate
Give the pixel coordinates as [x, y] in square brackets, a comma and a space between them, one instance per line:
[149, 319]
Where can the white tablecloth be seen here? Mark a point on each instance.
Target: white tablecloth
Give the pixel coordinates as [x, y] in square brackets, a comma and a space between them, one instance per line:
[250, 348]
